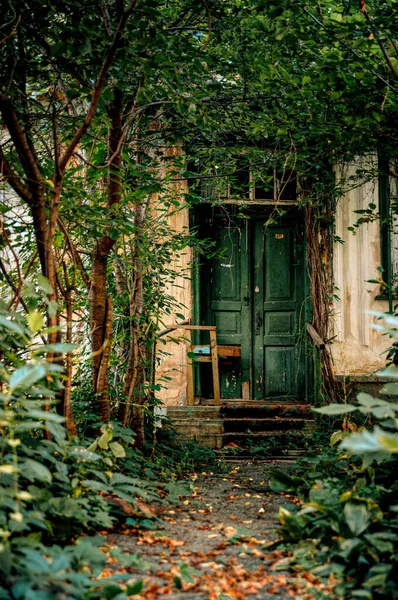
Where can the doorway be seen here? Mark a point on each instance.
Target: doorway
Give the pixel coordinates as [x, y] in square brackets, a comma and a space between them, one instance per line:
[253, 288]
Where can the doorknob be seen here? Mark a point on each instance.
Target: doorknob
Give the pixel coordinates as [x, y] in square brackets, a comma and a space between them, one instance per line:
[259, 322]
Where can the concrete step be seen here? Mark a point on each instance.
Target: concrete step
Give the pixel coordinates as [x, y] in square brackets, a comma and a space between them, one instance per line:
[193, 412]
[266, 424]
[242, 438]
[240, 421]
[266, 410]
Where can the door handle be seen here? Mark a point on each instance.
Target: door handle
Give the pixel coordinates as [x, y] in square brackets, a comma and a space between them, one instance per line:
[259, 323]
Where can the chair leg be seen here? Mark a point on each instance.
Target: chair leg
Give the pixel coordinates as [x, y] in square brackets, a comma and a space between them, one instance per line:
[190, 390]
[214, 360]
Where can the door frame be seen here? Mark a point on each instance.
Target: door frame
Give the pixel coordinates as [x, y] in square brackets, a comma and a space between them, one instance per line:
[256, 213]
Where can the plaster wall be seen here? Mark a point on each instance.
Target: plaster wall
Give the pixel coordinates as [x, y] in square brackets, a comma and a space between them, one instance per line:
[171, 372]
[357, 348]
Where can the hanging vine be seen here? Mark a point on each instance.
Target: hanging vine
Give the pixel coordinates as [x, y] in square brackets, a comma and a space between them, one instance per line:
[319, 216]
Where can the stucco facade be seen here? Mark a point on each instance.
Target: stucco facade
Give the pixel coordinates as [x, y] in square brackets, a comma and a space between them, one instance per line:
[357, 348]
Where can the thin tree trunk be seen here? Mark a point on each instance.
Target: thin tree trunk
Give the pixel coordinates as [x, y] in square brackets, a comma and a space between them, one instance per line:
[100, 302]
[135, 402]
[69, 420]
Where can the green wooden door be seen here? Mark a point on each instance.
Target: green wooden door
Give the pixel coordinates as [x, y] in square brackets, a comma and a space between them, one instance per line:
[253, 292]
[278, 295]
[226, 302]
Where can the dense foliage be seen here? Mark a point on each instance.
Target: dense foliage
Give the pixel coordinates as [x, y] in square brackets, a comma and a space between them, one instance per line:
[116, 116]
[346, 527]
[53, 488]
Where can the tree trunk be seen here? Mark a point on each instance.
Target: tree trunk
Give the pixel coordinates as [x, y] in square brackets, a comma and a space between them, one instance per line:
[69, 420]
[135, 402]
[100, 302]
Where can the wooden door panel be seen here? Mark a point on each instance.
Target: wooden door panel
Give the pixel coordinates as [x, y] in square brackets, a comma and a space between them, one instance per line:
[253, 293]
[279, 275]
[280, 371]
[280, 328]
[278, 293]
[225, 281]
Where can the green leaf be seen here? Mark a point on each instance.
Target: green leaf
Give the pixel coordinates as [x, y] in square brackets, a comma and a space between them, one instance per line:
[58, 348]
[26, 376]
[357, 517]
[35, 470]
[46, 415]
[52, 307]
[335, 409]
[35, 321]
[92, 447]
[390, 389]
[117, 450]
[11, 325]
[105, 438]
[134, 588]
[111, 591]
[369, 401]
[282, 482]
[337, 436]
[388, 441]
[360, 442]
[44, 284]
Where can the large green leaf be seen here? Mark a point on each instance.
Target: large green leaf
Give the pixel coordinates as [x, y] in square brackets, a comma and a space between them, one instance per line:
[34, 470]
[11, 325]
[369, 401]
[336, 409]
[35, 321]
[357, 516]
[26, 376]
[44, 284]
[106, 437]
[388, 441]
[117, 450]
[362, 442]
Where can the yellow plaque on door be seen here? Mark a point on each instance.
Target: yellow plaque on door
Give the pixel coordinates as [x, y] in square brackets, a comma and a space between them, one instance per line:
[279, 236]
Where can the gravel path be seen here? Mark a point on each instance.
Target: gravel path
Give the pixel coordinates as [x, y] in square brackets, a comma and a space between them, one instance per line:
[212, 545]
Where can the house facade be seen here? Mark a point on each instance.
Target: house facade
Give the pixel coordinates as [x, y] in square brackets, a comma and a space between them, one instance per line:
[255, 290]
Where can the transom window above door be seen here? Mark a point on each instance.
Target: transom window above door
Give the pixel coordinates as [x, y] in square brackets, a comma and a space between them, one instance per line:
[239, 181]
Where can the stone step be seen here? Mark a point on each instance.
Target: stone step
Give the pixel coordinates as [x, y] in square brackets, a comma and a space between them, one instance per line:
[193, 412]
[266, 424]
[242, 437]
[266, 410]
[240, 421]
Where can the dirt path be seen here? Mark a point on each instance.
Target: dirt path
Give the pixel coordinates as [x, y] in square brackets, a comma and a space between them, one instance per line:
[211, 545]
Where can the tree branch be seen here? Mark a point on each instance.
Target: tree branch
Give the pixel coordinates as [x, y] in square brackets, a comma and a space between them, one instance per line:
[348, 47]
[362, 5]
[98, 88]
[207, 9]
[7, 174]
[17, 135]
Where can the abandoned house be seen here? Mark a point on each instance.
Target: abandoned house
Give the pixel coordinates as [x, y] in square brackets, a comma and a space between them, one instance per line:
[249, 341]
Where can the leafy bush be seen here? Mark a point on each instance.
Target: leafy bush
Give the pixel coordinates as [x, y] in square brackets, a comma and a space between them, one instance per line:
[52, 488]
[347, 526]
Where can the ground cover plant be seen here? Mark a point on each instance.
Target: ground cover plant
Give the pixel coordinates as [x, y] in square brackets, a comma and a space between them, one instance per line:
[346, 528]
